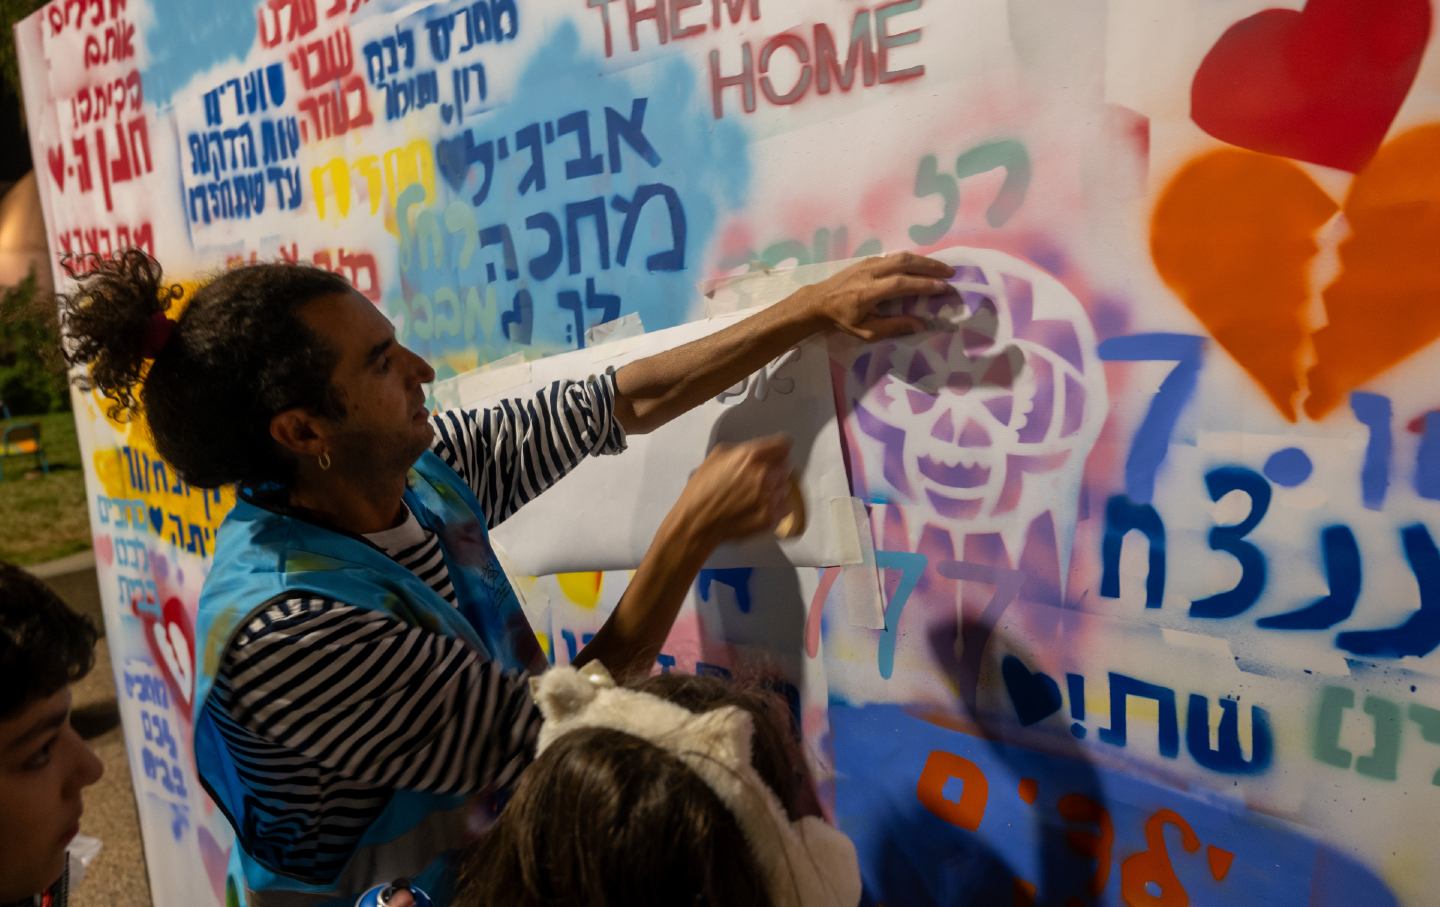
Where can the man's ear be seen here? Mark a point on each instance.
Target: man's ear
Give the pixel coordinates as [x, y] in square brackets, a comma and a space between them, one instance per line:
[300, 433]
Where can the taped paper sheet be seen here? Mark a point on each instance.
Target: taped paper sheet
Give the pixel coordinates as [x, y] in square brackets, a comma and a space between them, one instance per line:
[603, 516]
[860, 583]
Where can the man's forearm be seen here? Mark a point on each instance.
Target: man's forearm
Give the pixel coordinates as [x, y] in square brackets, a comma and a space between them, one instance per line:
[656, 389]
[630, 640]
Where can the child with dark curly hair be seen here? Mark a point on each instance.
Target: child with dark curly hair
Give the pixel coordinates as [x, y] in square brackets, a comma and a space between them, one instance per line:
[44, 765]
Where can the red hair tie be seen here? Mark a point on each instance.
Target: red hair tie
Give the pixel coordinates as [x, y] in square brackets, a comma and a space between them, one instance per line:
[157, 335]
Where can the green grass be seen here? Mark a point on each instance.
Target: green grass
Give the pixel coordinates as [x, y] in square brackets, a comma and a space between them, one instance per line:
[43, 517]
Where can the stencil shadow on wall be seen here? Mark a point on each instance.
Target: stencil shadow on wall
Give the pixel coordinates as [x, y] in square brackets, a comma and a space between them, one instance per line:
[1146, 844]
[930, 851]
[1234, 235]
[778, 628]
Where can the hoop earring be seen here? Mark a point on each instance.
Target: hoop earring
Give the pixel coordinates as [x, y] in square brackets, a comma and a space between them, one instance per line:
[323, 460]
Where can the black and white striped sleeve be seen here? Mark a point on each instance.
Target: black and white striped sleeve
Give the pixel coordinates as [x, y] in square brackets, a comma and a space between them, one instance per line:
[511, 452]
[379, 701]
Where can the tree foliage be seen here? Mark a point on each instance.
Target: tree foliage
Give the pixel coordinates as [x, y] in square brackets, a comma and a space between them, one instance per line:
[32, 372]
[11, 12]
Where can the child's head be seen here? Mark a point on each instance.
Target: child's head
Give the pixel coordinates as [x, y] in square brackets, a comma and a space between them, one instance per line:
[44, 647]
[681, 790]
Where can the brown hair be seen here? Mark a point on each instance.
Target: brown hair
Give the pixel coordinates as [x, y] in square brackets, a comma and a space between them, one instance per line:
[604, 818]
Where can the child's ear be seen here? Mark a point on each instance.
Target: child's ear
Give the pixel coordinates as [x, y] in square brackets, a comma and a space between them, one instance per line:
[561, 693]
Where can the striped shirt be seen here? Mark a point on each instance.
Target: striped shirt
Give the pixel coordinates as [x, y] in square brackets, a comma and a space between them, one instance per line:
[327, 708]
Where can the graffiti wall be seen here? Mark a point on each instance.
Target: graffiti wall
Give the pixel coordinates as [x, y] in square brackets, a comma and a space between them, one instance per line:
[1154, 532]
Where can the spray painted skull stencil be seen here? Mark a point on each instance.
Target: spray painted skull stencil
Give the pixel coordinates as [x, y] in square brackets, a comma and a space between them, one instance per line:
[986, 418]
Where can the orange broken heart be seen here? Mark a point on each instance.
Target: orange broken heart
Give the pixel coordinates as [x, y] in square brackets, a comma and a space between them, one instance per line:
[1234, 235]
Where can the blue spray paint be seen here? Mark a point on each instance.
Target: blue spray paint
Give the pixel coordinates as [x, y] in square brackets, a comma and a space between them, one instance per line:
[1152, 438]
[1420, 633]
[226, 30]
[1036, 696]
[590, 199]
[1341, 554]
[1289, 467]
[1231, 540]
[737, 578]
[1375, 411]
[1427, 460]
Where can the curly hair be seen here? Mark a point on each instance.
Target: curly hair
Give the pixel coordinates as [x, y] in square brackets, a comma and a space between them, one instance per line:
[239, 355]
[43, 644]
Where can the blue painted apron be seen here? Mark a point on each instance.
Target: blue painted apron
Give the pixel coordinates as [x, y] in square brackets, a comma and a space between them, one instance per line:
[261, 557]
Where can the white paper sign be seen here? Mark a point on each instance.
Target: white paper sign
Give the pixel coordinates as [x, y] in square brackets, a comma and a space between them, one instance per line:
[603, 516]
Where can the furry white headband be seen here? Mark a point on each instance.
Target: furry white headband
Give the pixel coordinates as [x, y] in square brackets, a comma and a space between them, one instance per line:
[807, 863]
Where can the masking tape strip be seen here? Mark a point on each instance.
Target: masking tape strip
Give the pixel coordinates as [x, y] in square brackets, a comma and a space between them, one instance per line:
[625, 326]
[848, 533]
[859, 582]
[497, 383]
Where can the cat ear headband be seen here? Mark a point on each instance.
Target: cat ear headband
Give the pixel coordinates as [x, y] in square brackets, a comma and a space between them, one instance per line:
[807, 863]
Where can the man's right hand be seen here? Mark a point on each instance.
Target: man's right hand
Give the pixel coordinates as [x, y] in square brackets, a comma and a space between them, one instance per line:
[739, 490]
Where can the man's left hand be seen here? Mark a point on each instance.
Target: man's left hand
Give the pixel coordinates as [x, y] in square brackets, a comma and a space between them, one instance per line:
[848, 301]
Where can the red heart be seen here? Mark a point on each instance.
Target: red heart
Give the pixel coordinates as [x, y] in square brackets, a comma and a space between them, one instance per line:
[56, 157]
[105, 549]
[1319, 85]
[172, 646]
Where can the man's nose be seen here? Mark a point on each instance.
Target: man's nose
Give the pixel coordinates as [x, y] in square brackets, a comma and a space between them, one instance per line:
[424, 373]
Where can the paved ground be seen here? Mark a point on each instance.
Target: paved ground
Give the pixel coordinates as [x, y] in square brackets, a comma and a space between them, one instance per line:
[117, 877]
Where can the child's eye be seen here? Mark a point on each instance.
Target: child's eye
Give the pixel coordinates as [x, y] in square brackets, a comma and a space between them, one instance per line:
[384, 364]
[40, 759]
